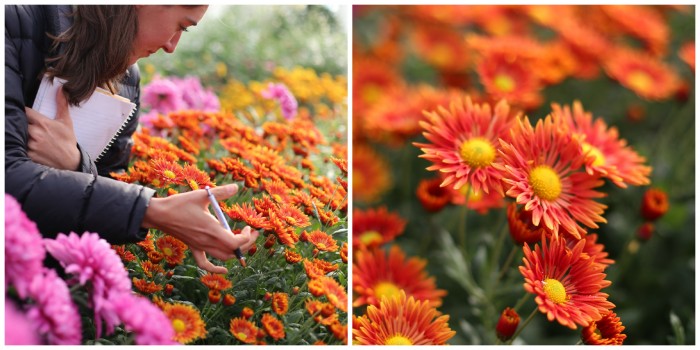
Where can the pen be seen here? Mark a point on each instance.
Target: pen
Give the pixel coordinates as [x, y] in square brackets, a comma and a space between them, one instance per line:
[222, 219]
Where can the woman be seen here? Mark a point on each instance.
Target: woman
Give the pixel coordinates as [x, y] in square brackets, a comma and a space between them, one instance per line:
[59, 186]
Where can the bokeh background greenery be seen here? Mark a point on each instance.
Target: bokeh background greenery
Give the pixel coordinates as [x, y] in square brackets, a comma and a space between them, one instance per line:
[246, 42]
[653, 282]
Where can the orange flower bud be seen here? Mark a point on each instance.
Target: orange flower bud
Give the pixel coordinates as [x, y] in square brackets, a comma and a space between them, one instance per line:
[654, 204]
[229, 299]
[247, 313]
[214, 296]
[507, 324]
[168, 289]
[645, 231]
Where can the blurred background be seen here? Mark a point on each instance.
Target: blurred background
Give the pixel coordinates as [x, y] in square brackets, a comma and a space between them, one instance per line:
[247, 42]
[441, 50]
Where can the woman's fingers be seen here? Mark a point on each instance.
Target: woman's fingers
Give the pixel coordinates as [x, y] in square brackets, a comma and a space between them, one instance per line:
[201, 259]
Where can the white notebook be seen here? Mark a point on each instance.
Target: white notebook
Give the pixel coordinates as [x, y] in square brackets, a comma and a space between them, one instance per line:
[96, 121]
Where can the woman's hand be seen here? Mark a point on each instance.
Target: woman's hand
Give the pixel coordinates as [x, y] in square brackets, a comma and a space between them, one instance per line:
[186, 217]
[52, 142]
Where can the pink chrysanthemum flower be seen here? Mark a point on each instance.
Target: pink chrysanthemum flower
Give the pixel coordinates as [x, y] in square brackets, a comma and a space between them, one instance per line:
[162, 95]
[18, 329]
[146, 320]
[285, 98]
[463, 143]
[24, 253]
[542, 169]
[53, 312]
[195, 96]
[566, 282]
[606, 153]
[90, 258]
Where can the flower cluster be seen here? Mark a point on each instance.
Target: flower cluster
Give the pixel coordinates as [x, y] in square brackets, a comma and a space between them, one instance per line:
[51, 315]
[499, 104]
[293, 179]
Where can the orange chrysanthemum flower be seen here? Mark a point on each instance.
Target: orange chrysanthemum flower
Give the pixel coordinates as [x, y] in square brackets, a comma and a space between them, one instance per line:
[440, 46]
[540, 171]
[464, 142]
[273, 326]
[402, 320]
[316, 309]
[375, 226]
[521, 228]
[123, 253]
[647, 76]
[243, 330]
[654, 204]
[344, 252]
[335, 293]
[150, 269]
[376, 275]
[147, 243]
[566, 282]
[476, 200]
[195, 178]
[216, 281]
[146, 287]
[155, 256]
[313, 271]
[167, 171]
[172, 248]
[322, 241]
[606, 153]
[293, 215]
[276, 189]
[594, 250]
[325, 265]
[687, 54]
[432, 196]
[370, 174]
[606, 331]
[505, 78]
[280, 303]
[315, 287]
[642, 22]
[186, 321]
[291, 256]
[341, 163]
[245, 212]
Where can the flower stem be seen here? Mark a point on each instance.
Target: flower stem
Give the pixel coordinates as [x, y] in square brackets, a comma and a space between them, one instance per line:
[517, 333]
[506, 264]
[463, 230]
[579, 342]
[521, 301]
[497, 250]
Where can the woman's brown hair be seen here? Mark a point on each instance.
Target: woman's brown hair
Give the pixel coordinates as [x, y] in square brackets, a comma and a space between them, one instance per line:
[95, 50]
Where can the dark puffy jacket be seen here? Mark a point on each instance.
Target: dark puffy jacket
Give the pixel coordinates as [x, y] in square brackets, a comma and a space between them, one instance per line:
[61, 201]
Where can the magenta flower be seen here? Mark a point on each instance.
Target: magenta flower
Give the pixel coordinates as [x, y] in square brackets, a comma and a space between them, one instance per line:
[195, 96]
[18, 329]
[163, 95]
[24, 253]
[90, 258]
[144, 319]
[284, 97]
[53, 311]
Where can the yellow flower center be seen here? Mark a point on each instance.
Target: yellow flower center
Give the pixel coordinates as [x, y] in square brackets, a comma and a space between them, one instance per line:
[193, 185]
[545, 182]
[321, 245]
[594, 151]
[178, 325]
[169, 174]
[371, 93]
[504, 82]
[371, 238]
[398, 340]
[167, 251]
[477, 152]
[441, 55]
[385, 289]
[640, 80]
[242, 336]
[555, 290]
[475, 196]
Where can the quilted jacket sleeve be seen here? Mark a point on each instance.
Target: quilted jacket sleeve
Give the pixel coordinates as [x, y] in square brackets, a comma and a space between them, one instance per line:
[57, 200]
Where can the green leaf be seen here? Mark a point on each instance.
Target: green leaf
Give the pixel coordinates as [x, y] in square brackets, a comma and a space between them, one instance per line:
[678, 331]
